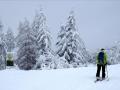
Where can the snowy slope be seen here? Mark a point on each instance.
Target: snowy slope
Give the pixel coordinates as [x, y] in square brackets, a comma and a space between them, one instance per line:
[60, 79]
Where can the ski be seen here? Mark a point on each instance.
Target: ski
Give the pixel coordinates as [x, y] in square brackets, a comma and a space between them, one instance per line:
[97, 80]
[106, 79]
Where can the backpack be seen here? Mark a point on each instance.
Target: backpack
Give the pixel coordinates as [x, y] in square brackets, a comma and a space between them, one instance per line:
[101, 58]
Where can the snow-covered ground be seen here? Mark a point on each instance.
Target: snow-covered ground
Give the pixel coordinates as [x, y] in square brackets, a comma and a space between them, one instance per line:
[60, 79]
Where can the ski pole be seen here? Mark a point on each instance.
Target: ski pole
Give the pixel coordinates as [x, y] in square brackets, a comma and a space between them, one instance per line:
[106, 71]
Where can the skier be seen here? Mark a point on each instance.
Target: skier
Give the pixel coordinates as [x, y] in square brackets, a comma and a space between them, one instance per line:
[101, 63]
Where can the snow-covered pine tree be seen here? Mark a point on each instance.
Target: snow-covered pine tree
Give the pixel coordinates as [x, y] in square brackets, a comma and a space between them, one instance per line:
[2, 54]
[2, 48]
[43, 40]
[1, 31]
[1, 27]
[45, 50]
[38, 24]
[10, 40]
[114, 54]
[117, 54]
[39, 28]
[70, 45]
[27, 48]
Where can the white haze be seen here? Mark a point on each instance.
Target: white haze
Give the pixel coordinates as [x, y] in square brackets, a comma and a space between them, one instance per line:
[98, 22]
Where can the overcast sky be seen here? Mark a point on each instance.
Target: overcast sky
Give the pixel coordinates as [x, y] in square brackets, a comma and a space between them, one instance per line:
[98, 22]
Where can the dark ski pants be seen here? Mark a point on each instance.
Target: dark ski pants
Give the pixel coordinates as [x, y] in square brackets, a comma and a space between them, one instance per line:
[99, 69]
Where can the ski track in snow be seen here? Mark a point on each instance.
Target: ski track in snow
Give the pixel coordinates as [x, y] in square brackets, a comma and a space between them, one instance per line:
[60, 79]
